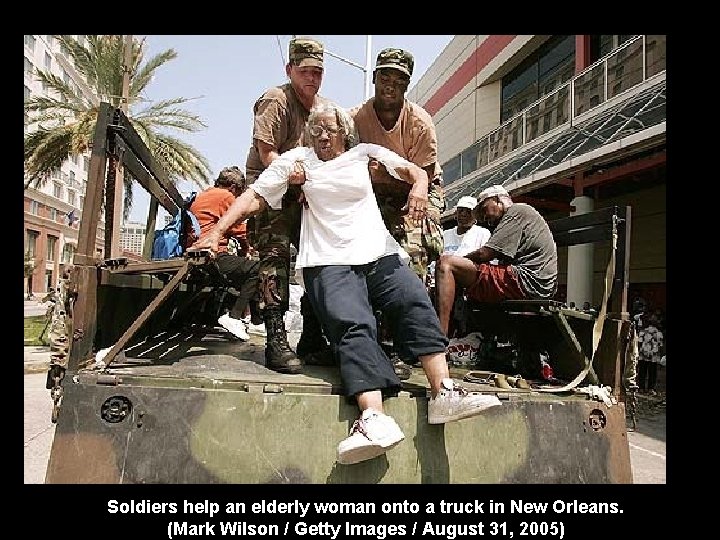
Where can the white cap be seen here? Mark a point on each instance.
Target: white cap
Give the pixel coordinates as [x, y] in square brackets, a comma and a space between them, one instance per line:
[466, 202]
[492, 191]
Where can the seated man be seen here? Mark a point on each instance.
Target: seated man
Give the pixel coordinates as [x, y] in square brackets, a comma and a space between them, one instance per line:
[350, 265]
[209, 206]
[524, 246]
[467, 236]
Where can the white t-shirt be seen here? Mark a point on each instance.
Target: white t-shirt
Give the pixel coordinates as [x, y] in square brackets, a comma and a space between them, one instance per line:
[462, 244]
[342, 224]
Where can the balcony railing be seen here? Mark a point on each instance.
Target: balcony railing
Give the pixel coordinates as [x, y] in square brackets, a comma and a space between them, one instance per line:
[632, 63]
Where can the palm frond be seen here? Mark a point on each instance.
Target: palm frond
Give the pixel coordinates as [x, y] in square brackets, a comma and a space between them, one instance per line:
[67, 120]
[45, 151]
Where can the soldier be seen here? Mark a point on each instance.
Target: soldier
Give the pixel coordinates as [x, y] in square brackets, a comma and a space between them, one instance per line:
[280, 116]
[392, 121]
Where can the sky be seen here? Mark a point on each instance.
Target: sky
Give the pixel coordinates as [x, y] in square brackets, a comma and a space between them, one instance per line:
[226, 74]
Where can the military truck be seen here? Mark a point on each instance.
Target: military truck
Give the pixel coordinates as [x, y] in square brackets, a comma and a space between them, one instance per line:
[174, 399]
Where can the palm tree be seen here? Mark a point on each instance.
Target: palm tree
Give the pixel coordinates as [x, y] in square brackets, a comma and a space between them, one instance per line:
[66, 122]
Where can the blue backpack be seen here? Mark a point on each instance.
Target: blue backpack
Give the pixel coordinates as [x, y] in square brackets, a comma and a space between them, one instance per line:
[169, 241]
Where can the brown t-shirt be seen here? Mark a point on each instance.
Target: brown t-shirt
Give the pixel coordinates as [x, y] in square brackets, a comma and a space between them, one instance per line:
[412, 137]
[279, 121]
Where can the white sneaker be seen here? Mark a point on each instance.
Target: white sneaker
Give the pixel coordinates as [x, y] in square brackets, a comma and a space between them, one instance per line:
[371, 435]
[453, 402]
[235, 326]
[257, 329]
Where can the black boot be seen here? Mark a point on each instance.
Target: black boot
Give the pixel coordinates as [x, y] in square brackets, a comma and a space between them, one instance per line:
[278, 354]
[312, 348]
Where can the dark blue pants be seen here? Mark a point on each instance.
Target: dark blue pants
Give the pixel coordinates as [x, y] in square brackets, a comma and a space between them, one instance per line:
[345, 299]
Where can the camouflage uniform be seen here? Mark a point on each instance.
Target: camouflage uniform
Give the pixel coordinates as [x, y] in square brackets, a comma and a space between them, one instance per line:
[423, 244]
[414, 139]
[273, 231]
[280, 119]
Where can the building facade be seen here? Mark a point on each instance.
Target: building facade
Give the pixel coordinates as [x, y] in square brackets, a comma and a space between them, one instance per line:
[132, 238]
[52, 212]
[567, 123]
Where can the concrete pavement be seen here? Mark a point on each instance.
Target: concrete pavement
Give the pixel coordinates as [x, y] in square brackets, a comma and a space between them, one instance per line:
[34, 307]
[38, 428]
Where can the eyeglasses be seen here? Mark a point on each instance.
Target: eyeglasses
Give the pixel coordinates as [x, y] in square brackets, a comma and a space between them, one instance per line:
[316, 130]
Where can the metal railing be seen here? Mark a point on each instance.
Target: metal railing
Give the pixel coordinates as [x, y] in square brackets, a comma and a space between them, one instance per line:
[632, 63]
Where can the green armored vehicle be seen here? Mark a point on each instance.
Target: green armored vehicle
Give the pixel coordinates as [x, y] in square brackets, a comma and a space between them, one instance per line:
[175, 400]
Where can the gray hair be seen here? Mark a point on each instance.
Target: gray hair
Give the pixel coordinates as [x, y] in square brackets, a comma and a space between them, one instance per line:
[343, 118]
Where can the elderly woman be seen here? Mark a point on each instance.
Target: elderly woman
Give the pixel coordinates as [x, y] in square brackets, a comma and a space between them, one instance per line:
[350, 266]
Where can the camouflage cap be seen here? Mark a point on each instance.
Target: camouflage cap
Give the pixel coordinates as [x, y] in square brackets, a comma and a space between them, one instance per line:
[305, 52]
[396, 59]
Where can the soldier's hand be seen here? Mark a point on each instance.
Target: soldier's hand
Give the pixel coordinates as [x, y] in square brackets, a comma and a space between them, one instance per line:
[416, 208]
[297, 175]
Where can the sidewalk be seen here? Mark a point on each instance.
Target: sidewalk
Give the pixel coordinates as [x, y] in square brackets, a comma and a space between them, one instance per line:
[34, 307]
[37, 359]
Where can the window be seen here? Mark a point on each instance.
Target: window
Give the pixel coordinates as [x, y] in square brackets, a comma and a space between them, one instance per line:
[32, 237]
[50, 40]
[28, 67]
[67, 255]
[30, 42]
[72, 179]
[65, 77]
[27, 92]
[57, 190]
[603, 45]
[48, 61]
[48, 279]
[51, 244]
[86, 164]
[71, 197]
[34, 208]
[451, 170]
[552, 65]
[655, 54]
[53, 214]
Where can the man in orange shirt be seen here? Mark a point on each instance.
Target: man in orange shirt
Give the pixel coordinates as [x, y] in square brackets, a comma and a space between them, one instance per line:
[209, 206]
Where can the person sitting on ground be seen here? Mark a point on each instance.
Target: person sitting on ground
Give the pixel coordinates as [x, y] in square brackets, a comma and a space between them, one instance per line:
[240, 271]
[524, 246]
[350, 265]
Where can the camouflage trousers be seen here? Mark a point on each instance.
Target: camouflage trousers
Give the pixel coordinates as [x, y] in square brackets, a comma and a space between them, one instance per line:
[423, 243]
[271, 233]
